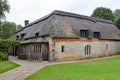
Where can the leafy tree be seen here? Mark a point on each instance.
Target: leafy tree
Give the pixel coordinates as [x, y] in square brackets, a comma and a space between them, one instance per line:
[117, 18]
[19, 27]
[104, 13]
[117, 23]
[8, 28]
[4, 7]
[117, 14]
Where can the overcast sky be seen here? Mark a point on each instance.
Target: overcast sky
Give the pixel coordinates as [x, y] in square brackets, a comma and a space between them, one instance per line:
[34, 9]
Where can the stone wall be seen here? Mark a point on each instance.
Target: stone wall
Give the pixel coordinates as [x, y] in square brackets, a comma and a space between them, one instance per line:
[74, 49]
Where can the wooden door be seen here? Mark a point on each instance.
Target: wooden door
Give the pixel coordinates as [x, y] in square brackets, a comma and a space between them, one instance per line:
[44, 51]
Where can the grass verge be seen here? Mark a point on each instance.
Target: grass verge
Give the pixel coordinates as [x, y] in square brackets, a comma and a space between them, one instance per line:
[108, 69]
[7, 65]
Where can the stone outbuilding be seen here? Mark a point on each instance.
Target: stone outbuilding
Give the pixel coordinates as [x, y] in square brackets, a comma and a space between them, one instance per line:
[62, 36]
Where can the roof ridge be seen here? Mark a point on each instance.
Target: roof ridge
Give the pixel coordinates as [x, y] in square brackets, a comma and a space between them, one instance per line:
[69, 14]
[64, 13]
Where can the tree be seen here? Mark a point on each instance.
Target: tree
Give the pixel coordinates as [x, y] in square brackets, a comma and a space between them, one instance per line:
[8, 28]
[117, 14]
[117, 23]
[4, 7]
[117, 18]
[19, 27]
[104, 13]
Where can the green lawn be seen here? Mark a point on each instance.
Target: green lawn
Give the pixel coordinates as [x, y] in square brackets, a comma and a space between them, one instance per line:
[108, 69]
[7, 65]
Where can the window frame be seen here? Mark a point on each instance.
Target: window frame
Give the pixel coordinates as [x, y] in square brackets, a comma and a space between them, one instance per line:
[37, 48]
[84, 33]
[87, 50]
[22, 35]
[96, 35]
[106, 46]
[37, 34]
[62, 48]
[17, 37]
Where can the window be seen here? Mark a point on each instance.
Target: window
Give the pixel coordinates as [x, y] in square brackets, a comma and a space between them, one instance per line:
[106, 46]
[87, 50]
[96, 34]
[22, 36]
[37, 48]
[17, 37]
[37, 35]
[84, 33]
[62, 48]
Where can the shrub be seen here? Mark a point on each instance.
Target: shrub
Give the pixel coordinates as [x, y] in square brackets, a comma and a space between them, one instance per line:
[2, 56]
[4, 45]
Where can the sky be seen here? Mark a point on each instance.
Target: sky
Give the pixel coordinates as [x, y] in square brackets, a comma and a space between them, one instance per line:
[31, 10]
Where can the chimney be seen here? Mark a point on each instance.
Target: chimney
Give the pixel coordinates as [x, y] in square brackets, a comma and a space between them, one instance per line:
[26, 22]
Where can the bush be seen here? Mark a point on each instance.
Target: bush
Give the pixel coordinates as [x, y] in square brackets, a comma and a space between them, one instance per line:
[4, 45]
[2, 56]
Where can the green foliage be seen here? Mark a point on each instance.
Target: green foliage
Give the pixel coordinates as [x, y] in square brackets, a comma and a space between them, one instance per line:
[117, 14]
[2, 56]
[4, 7]
[104, 13]
[117, 18]
[7, 29]
[19, 27]
[108, 69]
[7, 65]
[5, 44]
[117, 23]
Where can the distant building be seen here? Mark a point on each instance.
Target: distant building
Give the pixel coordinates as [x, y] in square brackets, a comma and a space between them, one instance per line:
[62, 36]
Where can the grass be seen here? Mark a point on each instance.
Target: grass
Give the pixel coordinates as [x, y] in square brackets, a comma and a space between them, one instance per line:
[108, 69]
[7, 65]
